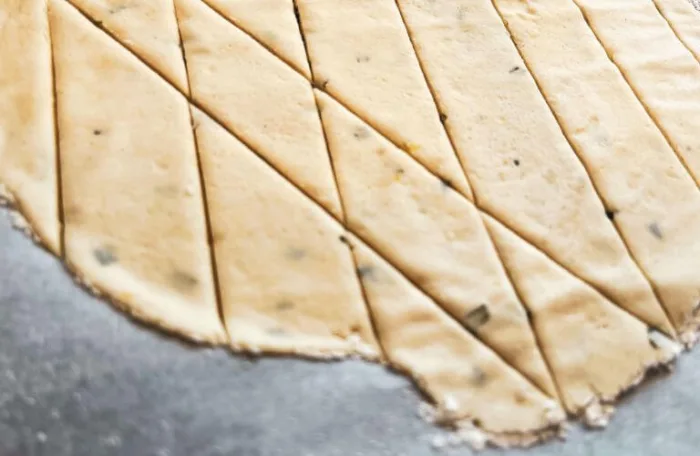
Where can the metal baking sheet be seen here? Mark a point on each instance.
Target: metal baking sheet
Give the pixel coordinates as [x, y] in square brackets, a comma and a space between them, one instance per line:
[78, 378]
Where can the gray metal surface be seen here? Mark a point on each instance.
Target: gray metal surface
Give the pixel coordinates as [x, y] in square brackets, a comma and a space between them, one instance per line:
[78, 378]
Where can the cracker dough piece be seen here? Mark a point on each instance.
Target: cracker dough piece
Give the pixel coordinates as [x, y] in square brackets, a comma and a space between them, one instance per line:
[432, 234]
[148, 28]
[258, 97]
[683, 17]
[665, 77]
[273, 23]
[522, 168]
[382, 84]
[287, 279]
[27, 138]
[464, 378]
[135, 225]
[594, 349]
[656, 204]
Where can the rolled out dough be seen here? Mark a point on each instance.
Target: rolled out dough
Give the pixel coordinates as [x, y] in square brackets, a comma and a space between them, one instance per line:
[498, 198]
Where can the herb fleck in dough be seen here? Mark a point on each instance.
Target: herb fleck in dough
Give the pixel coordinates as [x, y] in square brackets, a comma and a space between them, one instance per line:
[498, 199]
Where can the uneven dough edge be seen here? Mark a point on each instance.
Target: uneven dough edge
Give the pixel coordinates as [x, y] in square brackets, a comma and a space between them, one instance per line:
[596, 415]
[463, 431]
[21, 222]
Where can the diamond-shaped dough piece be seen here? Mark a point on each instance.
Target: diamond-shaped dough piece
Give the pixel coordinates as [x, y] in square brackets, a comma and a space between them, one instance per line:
[432, 233]
[287, 279]
[382, 84]
[134, 219]
[258, 97]
[654, 201]
[594, 349]
[148, 28]
[465, 379]
[273, 23]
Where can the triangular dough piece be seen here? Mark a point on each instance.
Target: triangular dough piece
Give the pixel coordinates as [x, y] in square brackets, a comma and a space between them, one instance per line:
[432, 234]
[595, 349]
[683, 18]
[665, 77]
[273, 23]
[382, 84]
[523, 170]
[27, 139]
[147, 28]
[258, 97]
[464, 378]
[135, 225]
[287, 277]
[652, 198]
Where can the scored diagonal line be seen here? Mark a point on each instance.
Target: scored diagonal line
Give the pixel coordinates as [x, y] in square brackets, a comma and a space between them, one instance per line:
[203, 188]
[365, 297]
[593, 183]
[673, 27]
[636, 93]
[57, 145]
[494, 247]
[283, 176]
[378, 130]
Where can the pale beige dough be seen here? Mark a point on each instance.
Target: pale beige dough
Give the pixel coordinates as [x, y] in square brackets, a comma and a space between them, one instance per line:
[582, 334]
[222, 219]
[465, 379]
[432, 234]
[655, 202]
[27, 138]
[273, 23]
[522, 169]
[287, 279]
[134, 220]
[257, 96]
[382, 84]
[683, 17]
[150, 29]
[665, 77]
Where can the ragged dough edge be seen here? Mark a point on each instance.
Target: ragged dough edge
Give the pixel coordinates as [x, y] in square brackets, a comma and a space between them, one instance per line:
[596, 415]
[461, 430]
[19, 220]
[356, 349]
[600, 409]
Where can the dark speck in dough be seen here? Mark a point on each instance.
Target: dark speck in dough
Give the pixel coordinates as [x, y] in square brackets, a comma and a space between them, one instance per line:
[296, 254]
[361, 133]
[284, 305]
[655, 230]
[479, 377]
[184, 280]
[654, 335]
[367, 273]
[105, 256]
[477, 318]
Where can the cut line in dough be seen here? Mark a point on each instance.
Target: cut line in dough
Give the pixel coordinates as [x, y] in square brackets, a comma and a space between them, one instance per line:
[208, 184]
